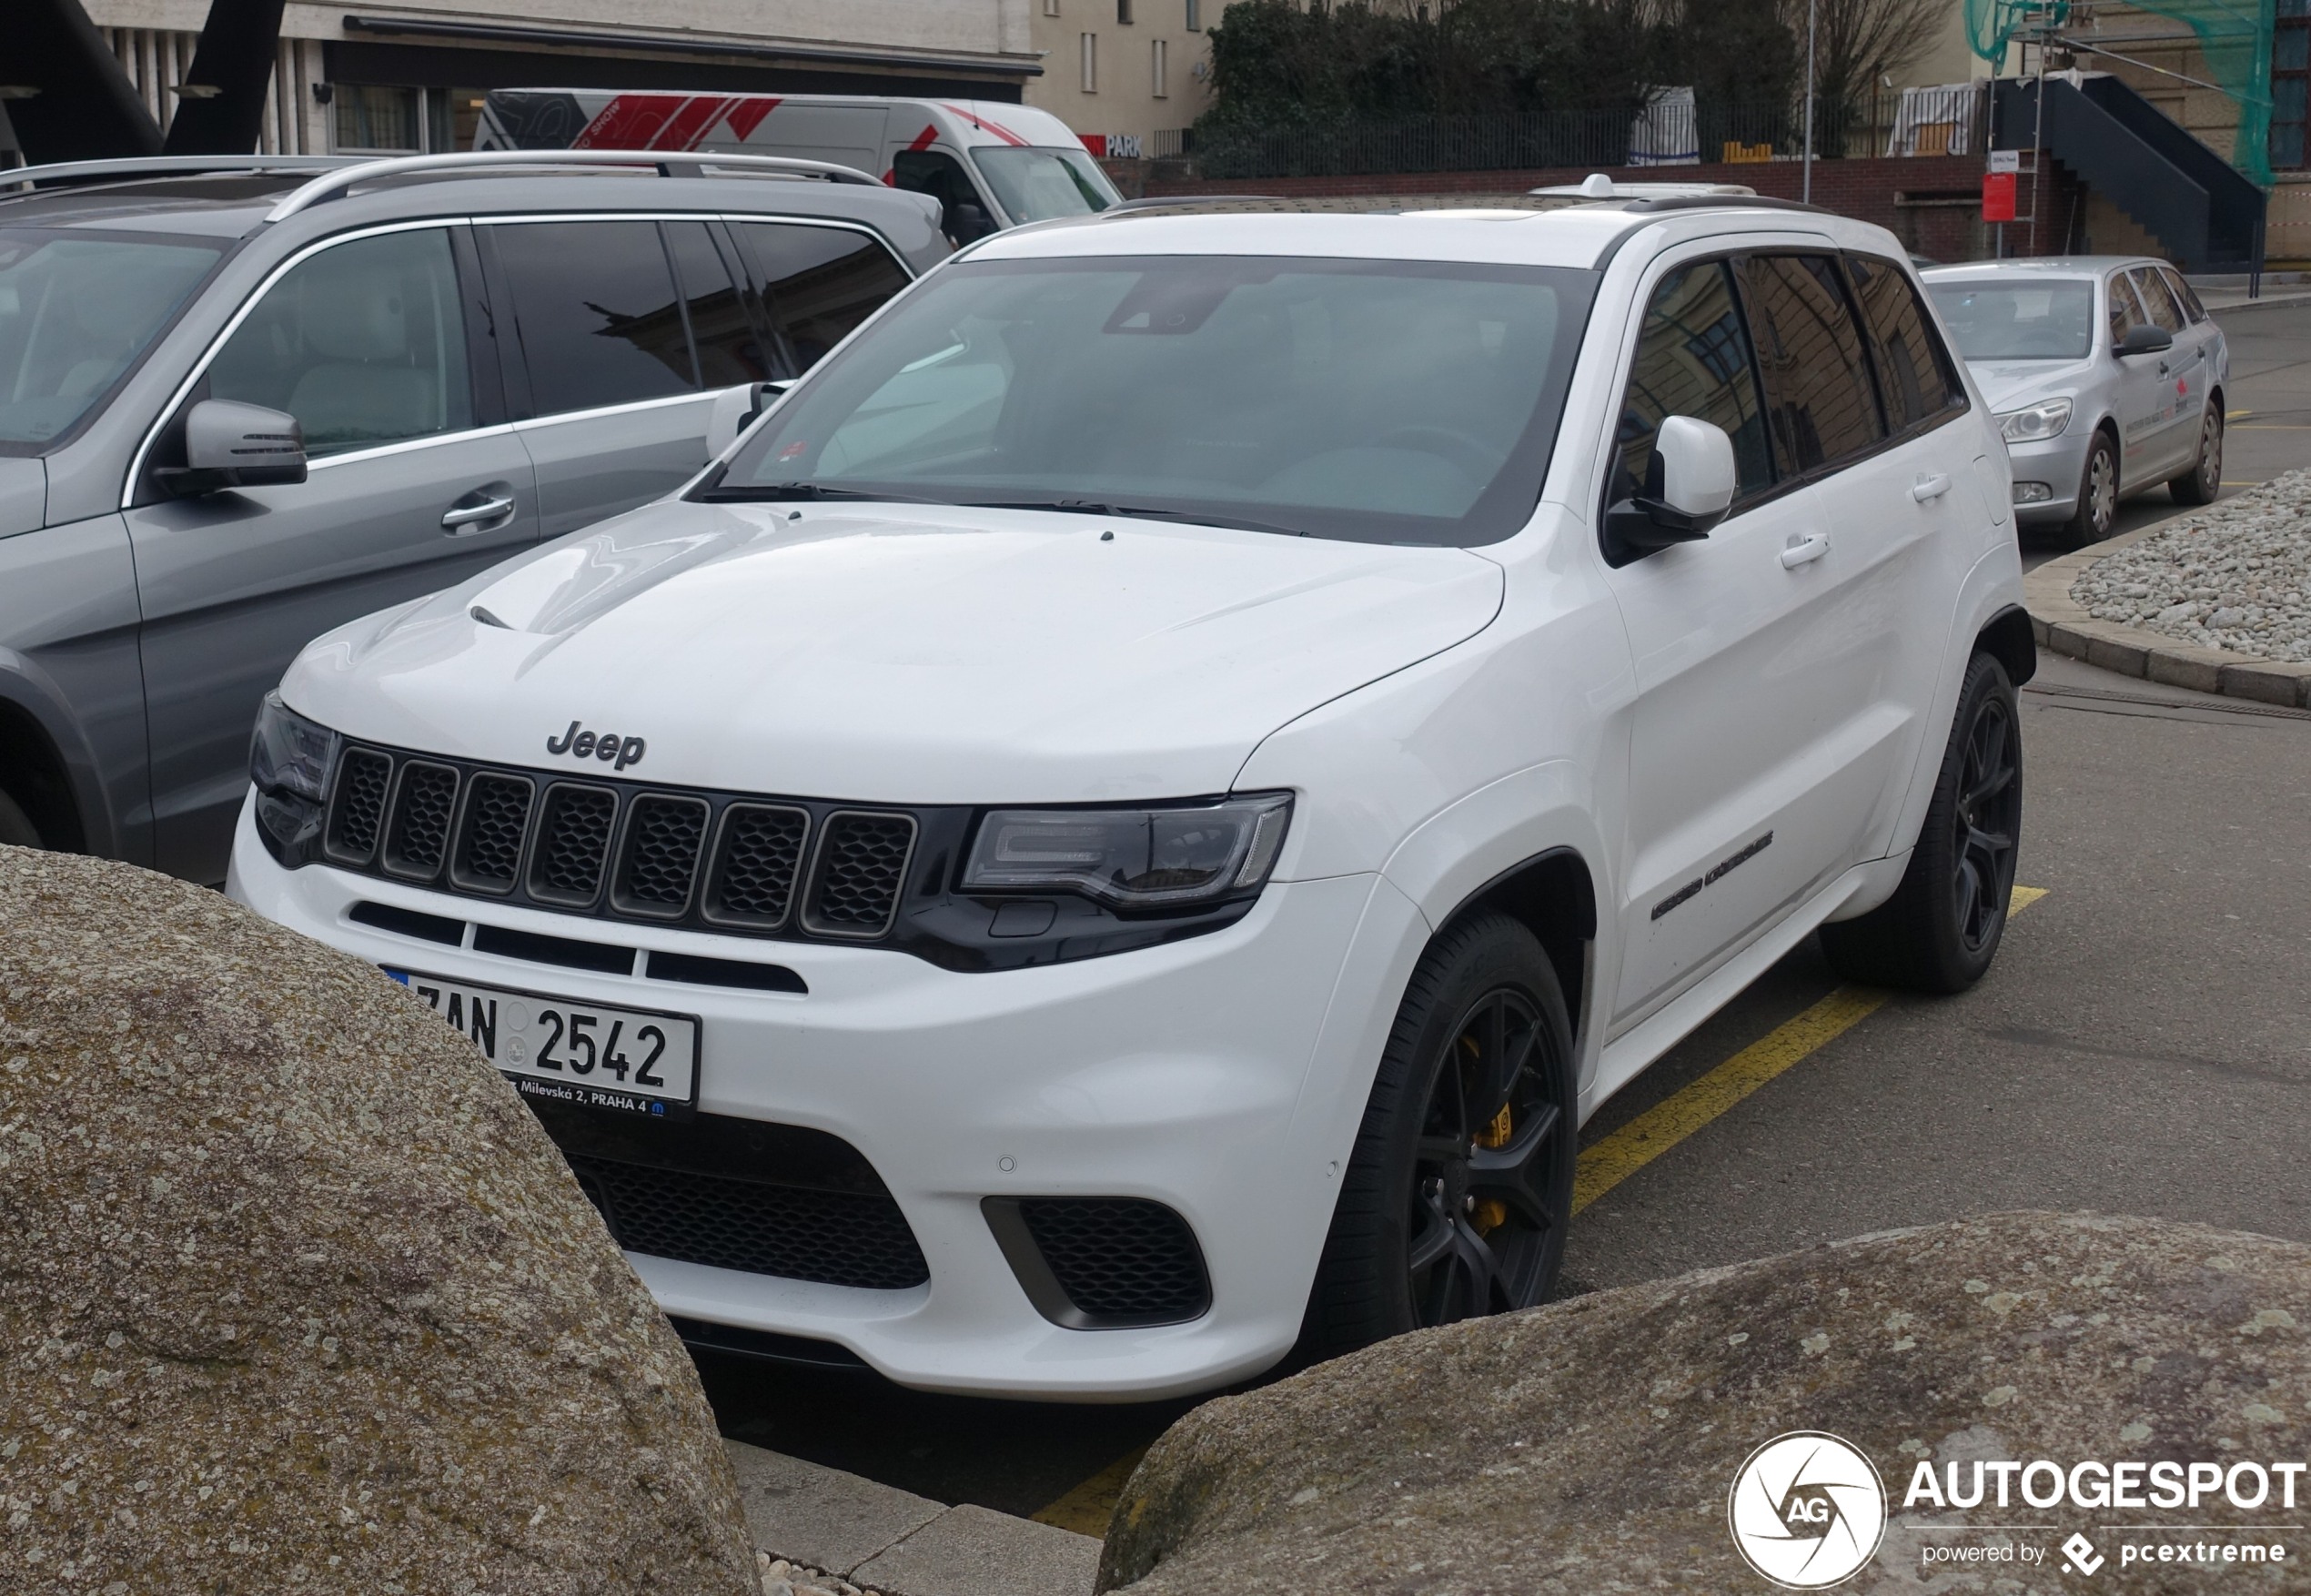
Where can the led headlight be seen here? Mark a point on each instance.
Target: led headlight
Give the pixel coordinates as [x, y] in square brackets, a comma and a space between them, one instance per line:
[1144, 857]
[289, 761]
[2035, 423]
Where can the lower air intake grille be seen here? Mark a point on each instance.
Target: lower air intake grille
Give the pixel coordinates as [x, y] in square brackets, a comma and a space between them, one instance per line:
[838, 1239]
[861, 865]
[573, 843]
[1120, 1261]
[359, 809]
[416, 837]
[489, 856]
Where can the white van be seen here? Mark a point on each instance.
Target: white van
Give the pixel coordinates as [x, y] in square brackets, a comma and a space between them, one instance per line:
[989, 165]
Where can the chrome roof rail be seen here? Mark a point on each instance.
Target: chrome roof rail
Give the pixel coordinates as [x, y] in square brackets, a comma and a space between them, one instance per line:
[126, 166]
[667, 164]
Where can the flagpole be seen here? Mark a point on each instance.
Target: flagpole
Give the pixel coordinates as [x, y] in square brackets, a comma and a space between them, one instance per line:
[1811, 7]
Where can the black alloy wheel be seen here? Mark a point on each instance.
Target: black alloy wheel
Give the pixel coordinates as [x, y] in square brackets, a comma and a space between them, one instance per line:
[1485, 1222]
[1458, 1192]
[2203, 483]
[1942, 927]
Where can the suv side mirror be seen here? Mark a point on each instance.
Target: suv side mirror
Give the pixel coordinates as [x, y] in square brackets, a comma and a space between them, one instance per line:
[737, 409]
[1688, 487]
[228, 444]
[2144, 339]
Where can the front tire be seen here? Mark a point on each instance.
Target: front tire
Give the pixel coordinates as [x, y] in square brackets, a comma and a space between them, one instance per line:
[1942, 927]
[2203, 483]
[1455, 1198]
[16, 830]
[2097, 511]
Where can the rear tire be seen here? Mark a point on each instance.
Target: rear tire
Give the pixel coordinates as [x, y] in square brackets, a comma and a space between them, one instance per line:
[16, 830]
[2097, 511]
[1456, 1198]
[2203, 483]
[1942, 927]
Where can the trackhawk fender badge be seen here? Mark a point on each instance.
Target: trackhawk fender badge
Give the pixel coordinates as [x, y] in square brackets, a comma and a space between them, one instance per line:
[1722, 868]
[606, 746]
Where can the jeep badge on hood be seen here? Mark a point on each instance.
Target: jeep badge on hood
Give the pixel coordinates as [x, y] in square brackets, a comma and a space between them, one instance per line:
[602, 745]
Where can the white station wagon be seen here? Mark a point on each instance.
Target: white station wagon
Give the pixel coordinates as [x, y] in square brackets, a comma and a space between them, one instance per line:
[1120, 829]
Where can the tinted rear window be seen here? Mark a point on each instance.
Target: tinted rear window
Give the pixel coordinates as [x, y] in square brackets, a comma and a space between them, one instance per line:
[1820, 405]
[1915, 377]
[595, 305]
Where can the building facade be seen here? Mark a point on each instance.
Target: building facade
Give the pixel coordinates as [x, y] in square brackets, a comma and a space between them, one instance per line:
[1127, 75]
[409, 77]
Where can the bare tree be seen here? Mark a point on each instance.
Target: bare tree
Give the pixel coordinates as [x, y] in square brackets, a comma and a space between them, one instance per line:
[1856, 42]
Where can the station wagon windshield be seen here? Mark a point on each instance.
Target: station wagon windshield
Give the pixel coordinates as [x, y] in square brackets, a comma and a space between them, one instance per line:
[76, 311]
[1375, 400]
[2018, 320]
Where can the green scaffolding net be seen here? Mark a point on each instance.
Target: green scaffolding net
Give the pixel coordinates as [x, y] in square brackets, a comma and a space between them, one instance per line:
[2233, 39]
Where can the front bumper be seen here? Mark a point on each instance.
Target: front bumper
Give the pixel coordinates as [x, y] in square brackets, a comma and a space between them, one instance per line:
[1202, 1075]
[2060, 463]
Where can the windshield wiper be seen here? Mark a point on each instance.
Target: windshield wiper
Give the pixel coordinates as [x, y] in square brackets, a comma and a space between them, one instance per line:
[1142, 512]
[816, 491]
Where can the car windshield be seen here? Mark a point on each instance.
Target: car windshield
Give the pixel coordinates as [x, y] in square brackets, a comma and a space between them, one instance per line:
[2046, 320]
[1034, 185]
[76, 311]
[1376, 401]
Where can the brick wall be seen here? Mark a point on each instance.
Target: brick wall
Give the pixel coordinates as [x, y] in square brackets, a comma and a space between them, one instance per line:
[1933, 203]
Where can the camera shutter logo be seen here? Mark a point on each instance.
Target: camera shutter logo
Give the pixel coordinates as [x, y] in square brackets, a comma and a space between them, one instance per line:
[1806, 1510]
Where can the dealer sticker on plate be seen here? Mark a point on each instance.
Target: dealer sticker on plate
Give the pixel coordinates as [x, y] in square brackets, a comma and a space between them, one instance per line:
[588, 1053]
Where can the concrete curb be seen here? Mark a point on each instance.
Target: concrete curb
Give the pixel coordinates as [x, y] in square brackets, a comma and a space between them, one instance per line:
[892, 1540]
[2061, 623]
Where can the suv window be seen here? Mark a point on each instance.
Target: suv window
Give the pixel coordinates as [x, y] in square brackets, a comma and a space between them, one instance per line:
[2124, 313]
[730, 346]
[1916, 380]
[364, 343]
[818, 283]
[1693, 359]
[595, 306]
[2164, 312]
[1820, 409]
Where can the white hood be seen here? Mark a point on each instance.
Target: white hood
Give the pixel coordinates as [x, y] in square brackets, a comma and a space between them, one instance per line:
[897, 653]
[2008, 385]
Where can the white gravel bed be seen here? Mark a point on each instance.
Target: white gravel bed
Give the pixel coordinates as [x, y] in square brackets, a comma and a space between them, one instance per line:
[781, 1578]
[2235, 575]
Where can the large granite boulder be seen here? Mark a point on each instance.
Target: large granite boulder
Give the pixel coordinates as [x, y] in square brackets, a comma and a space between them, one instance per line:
[1589, 1446]
[295, 1295]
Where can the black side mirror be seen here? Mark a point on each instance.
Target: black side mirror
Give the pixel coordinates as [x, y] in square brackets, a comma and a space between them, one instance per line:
[2145, 339]
[964, 222]
[228, 444]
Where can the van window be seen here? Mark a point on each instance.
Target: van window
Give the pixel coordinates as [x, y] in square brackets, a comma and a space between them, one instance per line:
[938, 173]
[818, 283]
[730, 347]
[1916, 378]
[1820, 405]
[364, 343]
[1035, 185]
[594, 307]
[76, 311]
[1693, 359]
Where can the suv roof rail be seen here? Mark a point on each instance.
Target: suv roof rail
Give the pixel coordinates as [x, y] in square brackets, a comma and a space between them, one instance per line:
[450, 163]
[1722, 202]
[163, 166]
[1188, 202]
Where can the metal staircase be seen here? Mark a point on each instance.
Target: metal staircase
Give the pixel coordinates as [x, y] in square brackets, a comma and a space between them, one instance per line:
[2207, 214]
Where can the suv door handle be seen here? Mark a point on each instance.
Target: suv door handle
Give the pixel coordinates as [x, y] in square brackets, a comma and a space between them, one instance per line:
[1810, 547]
[464, 520]
[1930, 487]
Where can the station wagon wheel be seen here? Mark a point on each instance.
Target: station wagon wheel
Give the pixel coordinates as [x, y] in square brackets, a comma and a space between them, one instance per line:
[1456, 1195]
[1987, 816]
[1484, 1209]
[2203, 483]
[2097, 511]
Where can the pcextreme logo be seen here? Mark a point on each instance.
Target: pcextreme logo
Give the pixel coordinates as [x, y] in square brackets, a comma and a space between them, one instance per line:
[1806, 1510]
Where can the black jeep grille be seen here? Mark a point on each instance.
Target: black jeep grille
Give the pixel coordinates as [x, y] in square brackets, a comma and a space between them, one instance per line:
[724, 862]
[1120, 1259]
[839, 1238]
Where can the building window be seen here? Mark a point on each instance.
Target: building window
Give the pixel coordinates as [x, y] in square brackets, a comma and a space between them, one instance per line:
[1123, 12]
[373, 118]
[1158, 68]
[2290, 82]
[1195, 16]
[1090, 63]
[1051, 7]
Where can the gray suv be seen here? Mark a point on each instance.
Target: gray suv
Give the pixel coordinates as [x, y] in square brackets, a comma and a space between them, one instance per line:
[243, 402]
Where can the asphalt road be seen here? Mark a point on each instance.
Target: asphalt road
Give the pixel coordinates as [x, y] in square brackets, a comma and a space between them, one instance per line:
[2142, 1046]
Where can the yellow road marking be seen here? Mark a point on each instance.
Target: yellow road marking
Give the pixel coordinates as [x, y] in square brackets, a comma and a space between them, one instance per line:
[1087, 1509]
[1616, 1158]
[2273, 426]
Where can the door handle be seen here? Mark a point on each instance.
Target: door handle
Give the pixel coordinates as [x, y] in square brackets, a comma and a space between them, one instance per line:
[465, 520]
[1930, 486]
[1803, 550]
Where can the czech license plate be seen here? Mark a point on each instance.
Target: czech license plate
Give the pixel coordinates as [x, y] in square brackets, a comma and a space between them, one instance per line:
[586, 1053]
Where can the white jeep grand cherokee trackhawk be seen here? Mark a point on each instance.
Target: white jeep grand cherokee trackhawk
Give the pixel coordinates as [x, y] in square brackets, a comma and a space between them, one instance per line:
[1121, 828]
